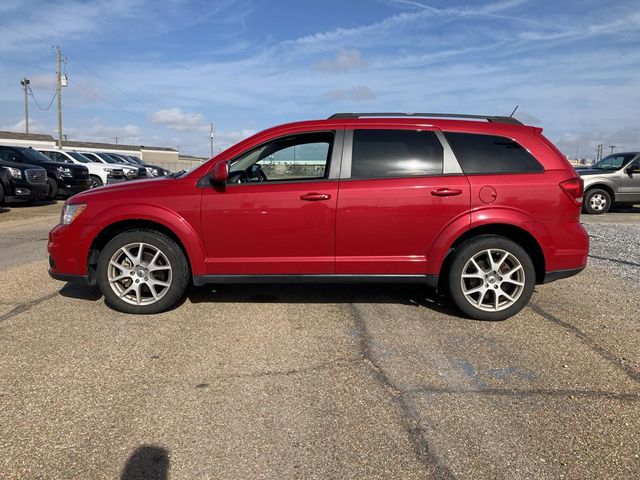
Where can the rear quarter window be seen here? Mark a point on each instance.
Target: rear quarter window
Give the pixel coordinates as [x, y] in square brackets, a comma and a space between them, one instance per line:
[478, 154]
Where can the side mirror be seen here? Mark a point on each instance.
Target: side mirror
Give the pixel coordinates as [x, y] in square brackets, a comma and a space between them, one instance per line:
[633, 169]
[220, 173]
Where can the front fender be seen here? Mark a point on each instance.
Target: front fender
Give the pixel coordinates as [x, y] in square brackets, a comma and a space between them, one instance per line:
[185, 232]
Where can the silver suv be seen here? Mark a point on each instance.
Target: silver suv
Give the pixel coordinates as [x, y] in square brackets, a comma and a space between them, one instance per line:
[614, 180]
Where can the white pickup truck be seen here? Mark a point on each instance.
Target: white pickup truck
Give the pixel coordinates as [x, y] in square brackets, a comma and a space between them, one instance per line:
[99, 173]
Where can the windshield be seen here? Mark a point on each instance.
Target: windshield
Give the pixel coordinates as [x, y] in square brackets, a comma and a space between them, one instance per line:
[109, 158]
[135, 159]
[613, 162]
[81, 158]
[34, 155]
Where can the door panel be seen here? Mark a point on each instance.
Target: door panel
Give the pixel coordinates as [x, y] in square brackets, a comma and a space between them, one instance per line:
[630, 184]
[269, 229]
[387, 226]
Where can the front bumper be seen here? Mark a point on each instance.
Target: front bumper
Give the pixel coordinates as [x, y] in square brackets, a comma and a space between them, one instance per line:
[71, 186]
[19, 190]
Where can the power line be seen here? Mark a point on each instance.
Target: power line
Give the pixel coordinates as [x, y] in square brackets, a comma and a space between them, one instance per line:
[96, 74]
[97, 95]
[36, 101]
[26, 34]
[25, 64]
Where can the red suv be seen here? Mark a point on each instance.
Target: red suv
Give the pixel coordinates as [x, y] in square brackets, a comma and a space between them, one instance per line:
[482, 207]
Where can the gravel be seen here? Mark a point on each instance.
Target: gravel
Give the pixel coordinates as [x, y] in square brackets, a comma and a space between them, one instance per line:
[616, 248]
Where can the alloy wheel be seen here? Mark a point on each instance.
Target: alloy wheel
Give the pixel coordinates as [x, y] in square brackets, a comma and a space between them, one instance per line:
[492, 280]
[139, 273]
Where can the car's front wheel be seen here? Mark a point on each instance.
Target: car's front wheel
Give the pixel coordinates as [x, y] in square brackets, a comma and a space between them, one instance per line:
[597, 201]
[96, 181]
[491, 278]
[142, 271]
[53, 189]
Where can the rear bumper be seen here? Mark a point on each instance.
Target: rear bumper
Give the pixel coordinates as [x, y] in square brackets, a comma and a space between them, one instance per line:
[554, 275]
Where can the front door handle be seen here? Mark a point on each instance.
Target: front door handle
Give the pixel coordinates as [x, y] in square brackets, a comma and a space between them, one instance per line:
[446, 192]
[315, 197]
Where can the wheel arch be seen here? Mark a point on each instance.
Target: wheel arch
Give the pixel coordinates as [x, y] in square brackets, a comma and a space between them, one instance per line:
[186, 241]
[602, 186]
[519, 235]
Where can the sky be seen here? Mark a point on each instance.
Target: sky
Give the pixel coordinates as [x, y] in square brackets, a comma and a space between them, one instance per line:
[159, 72]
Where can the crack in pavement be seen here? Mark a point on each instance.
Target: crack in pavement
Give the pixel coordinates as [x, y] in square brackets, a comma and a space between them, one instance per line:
[410, 418]
[295, 371]
[23, 307]
[629, 371]
[513, 392]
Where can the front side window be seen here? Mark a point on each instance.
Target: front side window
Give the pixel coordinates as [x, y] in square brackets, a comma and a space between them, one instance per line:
[9, 155]
[395, 153]
[482, 154]
[292, 158]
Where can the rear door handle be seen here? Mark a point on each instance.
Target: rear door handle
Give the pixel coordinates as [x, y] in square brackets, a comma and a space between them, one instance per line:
[315, 197]
[446, 192]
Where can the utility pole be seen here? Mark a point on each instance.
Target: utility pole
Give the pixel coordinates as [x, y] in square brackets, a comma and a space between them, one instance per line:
[211, 140]
[116, 139]
[59, 94]
[25, 85]
[599, 152]
[612, 147]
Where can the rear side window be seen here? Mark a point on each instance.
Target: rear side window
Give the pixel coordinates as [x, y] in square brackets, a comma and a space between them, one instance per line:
[395, 153]
[491, 154]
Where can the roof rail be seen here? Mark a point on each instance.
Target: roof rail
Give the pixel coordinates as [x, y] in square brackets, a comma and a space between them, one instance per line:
[489, 118]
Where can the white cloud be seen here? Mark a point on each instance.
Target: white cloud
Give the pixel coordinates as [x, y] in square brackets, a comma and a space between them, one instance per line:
[176, 119]
[361, 93]
[345, 61]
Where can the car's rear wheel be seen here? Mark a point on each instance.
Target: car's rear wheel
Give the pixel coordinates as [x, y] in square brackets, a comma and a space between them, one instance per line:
[142, 271]
[53, 189]
[491, 278]
[1, 195]
[95, 181]
[596, 201]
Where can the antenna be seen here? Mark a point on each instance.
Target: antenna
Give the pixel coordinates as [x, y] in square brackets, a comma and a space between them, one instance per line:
[514, 111]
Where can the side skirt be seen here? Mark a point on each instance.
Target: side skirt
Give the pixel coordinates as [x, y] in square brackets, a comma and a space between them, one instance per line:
[428, 280]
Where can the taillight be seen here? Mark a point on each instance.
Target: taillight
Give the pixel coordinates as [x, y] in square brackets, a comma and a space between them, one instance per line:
[574, 188]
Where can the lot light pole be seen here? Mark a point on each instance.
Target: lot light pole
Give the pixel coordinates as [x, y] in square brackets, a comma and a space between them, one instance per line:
[25, 85]
[612, 147]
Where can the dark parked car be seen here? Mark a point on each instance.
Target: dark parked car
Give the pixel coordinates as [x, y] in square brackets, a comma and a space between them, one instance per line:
[21, 182]
[152, 170]
[62, 179]
[420, 198]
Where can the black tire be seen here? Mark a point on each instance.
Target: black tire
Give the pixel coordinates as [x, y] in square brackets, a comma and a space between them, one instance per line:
[96, 181]
[462, 258]
[596, 201]
[177, 261]
[53, 189]
[1, 195]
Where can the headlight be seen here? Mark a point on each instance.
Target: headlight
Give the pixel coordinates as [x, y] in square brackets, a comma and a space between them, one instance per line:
[154, 172]
[64, 172]
[15, 172]
[71, 212]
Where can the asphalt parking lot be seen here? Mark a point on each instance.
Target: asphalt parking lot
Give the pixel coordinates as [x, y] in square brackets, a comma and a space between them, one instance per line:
[319, 382]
